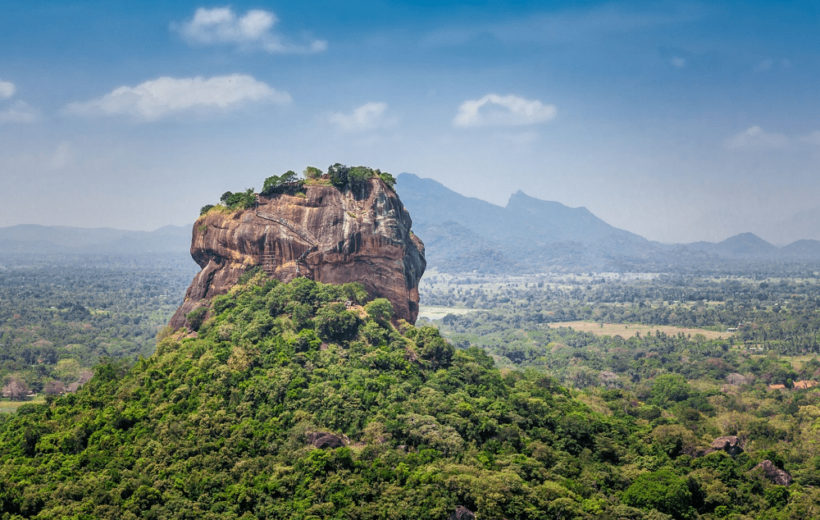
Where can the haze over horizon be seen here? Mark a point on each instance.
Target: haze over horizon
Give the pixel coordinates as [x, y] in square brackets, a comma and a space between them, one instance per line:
[678, 121]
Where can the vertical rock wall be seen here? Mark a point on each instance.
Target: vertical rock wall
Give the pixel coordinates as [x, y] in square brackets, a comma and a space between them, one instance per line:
[334, 236]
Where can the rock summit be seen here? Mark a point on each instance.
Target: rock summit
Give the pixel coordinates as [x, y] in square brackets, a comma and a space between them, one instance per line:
[358, 233]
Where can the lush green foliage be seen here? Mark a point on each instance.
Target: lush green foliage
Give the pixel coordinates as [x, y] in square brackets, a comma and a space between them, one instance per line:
[240, 200]
[687, 388]
[663, 491]
[339, 175]
[58, 321]
[311, 172]
[219, 427]
[276, 183]
[342, 176]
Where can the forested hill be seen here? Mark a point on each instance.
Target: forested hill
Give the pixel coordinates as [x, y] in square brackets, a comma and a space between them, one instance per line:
[465, 234]
[288, 404]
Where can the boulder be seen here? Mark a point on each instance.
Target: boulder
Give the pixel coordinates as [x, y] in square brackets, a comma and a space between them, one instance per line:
[773, 473]
[324, 233]
[462, 513]
[325, 440]
[728, 443]
[736, 379]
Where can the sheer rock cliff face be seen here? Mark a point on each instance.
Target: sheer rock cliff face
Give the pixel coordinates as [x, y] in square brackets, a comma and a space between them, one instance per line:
[359, 234]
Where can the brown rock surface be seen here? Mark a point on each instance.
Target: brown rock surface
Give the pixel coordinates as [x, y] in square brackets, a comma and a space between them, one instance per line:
[773, 473]
[462, 513]
[325, 440]
[728, 443]
[326, 234]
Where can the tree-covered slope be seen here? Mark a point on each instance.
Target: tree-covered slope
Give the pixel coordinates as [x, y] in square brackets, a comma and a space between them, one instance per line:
[288, 404]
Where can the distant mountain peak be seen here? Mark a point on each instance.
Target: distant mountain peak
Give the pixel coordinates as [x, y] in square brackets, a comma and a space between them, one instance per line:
[533, 234]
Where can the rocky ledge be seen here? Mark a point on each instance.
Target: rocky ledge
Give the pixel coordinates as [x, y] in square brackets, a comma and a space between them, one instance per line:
[331, 235]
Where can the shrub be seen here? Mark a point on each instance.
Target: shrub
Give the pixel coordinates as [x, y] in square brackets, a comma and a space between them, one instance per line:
[248, 275]
[196, 317]
[777, 496]
[275, 182]
[432, 347]
[380, 309]
[335, 323]
[312, 173]
[240, 200]
[338, 175]
[387, 179]
[661, 490]
[359, 174]
[669, 388]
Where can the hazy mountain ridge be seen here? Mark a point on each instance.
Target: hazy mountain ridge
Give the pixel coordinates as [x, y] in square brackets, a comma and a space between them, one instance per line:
[34, 238]
[466, 234]
[803, 225]
[529, 234]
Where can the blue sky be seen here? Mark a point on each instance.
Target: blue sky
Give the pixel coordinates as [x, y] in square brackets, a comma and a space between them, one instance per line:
[679, 121]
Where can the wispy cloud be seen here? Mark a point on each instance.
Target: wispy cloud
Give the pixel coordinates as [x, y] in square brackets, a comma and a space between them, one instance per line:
[678, 62]
[366, 117]
[7, 89]
[769, 64]
[495, 110]
[162, 97]
[764, 65]
[755, 137]
[19, 112]
[252, 31]
[64, 155]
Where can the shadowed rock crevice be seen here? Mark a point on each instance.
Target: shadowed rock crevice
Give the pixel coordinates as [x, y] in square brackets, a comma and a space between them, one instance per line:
[359, 234]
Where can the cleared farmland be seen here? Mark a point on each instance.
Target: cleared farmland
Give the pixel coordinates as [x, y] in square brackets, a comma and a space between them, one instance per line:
[630, 330]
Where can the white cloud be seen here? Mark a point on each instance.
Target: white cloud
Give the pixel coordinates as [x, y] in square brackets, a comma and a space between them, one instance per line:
[764, 65]
[253, 31]
[756, 137]
[7, 89]
[19, 112]
[678, 62]
[165, 96]
[63, 156]
[366, 117]
[510, 110]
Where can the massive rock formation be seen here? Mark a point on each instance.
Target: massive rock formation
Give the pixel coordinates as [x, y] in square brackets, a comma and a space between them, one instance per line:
[360, 234]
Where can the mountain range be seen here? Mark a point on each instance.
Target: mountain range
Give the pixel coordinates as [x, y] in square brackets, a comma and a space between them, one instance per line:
[465, 234]
[36, 239]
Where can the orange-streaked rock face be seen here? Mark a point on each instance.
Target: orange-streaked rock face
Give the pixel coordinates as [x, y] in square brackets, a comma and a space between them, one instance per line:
[331, 236]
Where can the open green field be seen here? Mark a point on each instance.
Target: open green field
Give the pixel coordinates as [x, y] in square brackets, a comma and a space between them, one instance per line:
[436, 312]
[628, 331]
[7, 406]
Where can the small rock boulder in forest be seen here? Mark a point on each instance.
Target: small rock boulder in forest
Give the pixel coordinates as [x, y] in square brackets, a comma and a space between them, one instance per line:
[462, 513]
[773, 473]
[728, 443]
[325, 440]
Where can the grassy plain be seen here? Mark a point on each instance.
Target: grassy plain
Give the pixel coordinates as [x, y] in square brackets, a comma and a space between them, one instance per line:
[627, 331]
[436, 312]
[7, 406]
